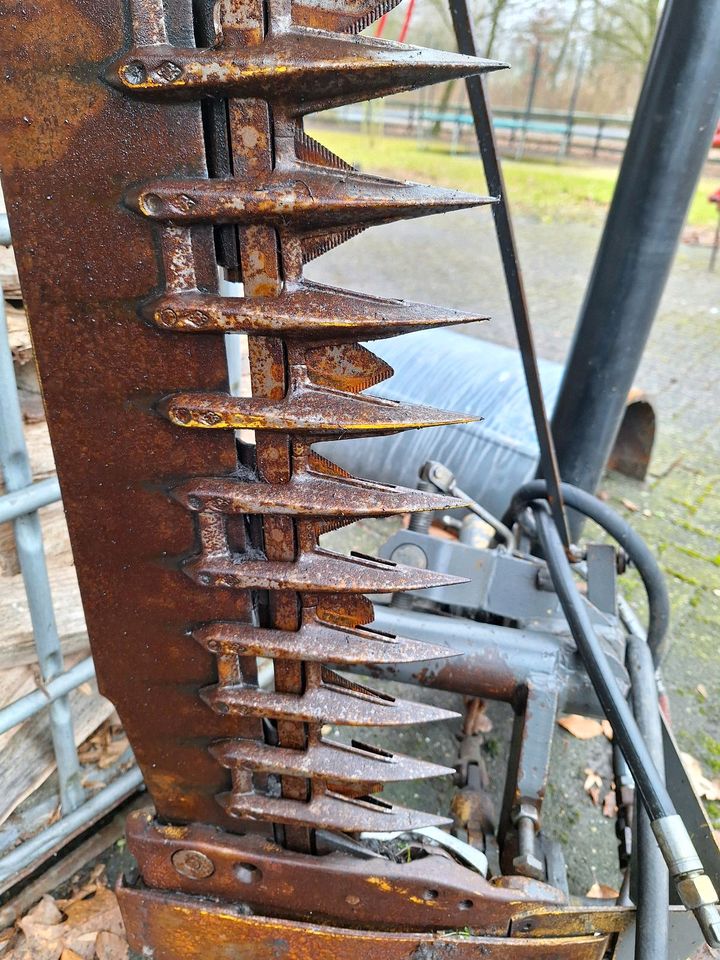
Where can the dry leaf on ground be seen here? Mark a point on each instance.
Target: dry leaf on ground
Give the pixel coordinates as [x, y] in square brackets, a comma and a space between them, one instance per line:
[584, 728]
[105, 746]
[705, 953]
[601, 891]
[609, 805]
[111, 946]
[702, 690]
[592, 784]
[86, 927]
[703, 786]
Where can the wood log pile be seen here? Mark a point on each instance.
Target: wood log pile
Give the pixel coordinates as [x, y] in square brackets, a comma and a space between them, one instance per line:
[27, 756]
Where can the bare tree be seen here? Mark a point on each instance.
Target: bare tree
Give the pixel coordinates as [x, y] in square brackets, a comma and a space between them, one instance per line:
[626, 28]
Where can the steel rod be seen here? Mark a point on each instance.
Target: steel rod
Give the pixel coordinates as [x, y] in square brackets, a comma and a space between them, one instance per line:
[14, 713]
[29, 499]
[667, 147]
[511, 266]
[35, 849]
[31, 555]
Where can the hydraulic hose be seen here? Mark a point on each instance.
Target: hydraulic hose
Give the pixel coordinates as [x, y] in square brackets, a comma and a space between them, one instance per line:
[694, 887]
[631, 542]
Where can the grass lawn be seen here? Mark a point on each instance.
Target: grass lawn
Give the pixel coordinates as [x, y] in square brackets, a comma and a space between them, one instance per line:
[549, 191]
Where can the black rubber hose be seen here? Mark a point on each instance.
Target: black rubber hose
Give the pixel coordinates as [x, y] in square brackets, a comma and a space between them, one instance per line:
[651, 932]
[656, 798]
[631, 542]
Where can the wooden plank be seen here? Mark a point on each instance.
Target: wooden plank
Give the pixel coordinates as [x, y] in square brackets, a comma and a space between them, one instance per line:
[28, 759]
[16, 636]
[56, 542]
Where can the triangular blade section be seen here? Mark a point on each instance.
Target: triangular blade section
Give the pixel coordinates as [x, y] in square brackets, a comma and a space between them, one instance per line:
[351, 16]
[314, 245]
[337, 762]
[348, 610]
[317, 642]
[308, 311]
[329, 812]
[310, 150]
[346, 366]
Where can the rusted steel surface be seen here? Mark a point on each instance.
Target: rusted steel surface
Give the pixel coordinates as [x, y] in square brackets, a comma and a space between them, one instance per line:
[165, 549]
[314, 641]
[430, 892]
[182, 929]
[307, 311]
[68, 147]
[139, 157]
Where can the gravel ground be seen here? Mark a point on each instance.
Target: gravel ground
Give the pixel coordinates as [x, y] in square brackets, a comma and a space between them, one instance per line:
[453, 260]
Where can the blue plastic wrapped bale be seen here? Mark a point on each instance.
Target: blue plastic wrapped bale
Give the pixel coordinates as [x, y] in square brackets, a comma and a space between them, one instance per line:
[490, 458]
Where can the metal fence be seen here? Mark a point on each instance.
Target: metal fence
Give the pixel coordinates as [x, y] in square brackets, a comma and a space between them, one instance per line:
[20, 505]
[555, 133]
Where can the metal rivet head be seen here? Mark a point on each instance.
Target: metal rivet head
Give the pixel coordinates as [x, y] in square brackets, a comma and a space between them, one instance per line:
[152, 203]
[193, 864]
[133, 73]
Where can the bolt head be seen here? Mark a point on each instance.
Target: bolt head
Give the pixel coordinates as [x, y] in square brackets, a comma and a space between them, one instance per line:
[526, 811]
[528, 865]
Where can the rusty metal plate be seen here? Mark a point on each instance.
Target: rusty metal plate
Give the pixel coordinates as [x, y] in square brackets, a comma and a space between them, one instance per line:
[69, 145]
[430, 892]
[182, 930]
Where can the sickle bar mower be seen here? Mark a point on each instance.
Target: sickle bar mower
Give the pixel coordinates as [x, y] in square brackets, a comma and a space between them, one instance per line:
[148, 147]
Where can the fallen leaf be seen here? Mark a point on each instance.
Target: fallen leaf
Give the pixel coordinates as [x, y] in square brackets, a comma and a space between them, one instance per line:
[584, 728]
[702, 690]
[105, 746]
[629, 505]
[601, 891]
[42, 933]
[607, 729]
[702, 785]
[705, 953]
[110, 946]
[609, 805]
[592, 779]
[87, 926]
